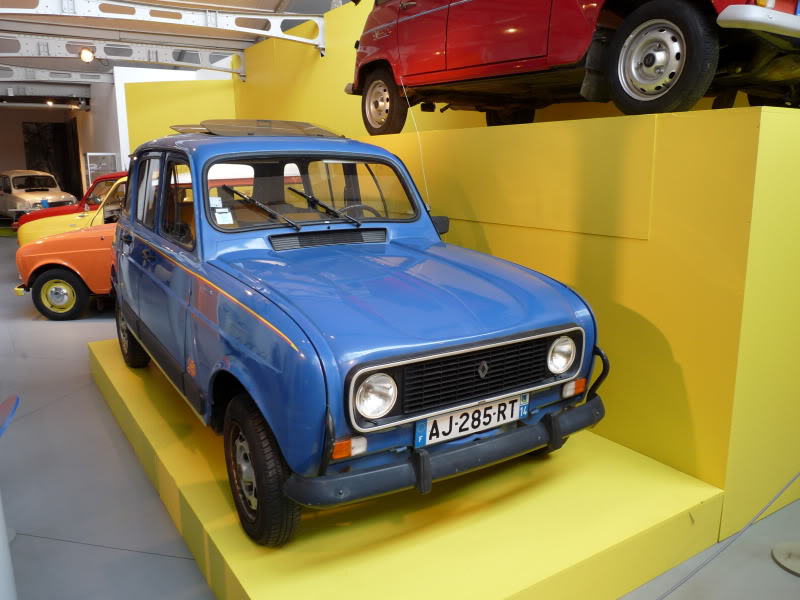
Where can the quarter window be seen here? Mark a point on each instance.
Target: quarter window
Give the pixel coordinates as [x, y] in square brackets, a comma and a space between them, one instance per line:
[177, 216]
[147, 191]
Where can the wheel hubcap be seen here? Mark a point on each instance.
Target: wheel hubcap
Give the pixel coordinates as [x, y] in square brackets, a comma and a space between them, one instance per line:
[58, 296]
[245, 471]
[122, 329]
[378, 103]
[652, 60]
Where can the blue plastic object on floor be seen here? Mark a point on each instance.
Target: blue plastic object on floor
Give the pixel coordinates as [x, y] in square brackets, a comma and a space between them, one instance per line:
[8, 408]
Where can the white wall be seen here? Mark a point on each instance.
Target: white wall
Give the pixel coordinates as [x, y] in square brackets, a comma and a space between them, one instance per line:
[123, 75]
[97, 128]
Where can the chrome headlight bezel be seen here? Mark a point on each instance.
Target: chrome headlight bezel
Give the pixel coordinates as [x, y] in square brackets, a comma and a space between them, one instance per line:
[390, 395]
[555, 353]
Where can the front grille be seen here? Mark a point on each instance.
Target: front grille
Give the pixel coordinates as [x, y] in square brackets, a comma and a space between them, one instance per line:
[60, 203]
[455, 379]
[292, 241]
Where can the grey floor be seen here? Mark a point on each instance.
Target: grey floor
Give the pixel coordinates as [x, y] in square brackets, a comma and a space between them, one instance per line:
[89, 524]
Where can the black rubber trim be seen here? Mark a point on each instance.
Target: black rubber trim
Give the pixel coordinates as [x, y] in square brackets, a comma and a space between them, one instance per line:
[437, 462]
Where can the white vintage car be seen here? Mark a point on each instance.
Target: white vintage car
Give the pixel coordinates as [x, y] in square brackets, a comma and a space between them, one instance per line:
[25, 191]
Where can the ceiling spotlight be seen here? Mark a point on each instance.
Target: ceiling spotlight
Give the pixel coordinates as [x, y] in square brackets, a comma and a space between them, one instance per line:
[87, 55]
[49, 103]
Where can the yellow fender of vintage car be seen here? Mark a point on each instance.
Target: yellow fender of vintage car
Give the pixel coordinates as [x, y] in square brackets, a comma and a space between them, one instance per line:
[36, 230]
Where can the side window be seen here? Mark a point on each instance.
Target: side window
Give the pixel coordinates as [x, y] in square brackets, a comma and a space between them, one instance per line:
[177, 216]
[147, 190]
[6, 185]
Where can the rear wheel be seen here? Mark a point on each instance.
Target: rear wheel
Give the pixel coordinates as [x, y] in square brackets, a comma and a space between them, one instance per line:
[257, 472]
[516, 116]
[662, 58]
[132, 351]
[60, 295]
[383, 108]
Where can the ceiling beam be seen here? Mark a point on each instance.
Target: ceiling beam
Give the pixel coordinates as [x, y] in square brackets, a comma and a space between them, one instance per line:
[178, 15]
[11, 73]
[40, 46]
[44, 90]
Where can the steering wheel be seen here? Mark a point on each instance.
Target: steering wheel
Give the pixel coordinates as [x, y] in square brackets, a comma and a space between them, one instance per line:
[368, 207]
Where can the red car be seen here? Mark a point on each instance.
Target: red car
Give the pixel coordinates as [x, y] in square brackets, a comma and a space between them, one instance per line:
[508, 57]
[90, 201]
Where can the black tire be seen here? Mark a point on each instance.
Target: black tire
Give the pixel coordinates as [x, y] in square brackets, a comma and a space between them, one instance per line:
[391, 103]
[135, 356]
[677, 66]
[60, 285]
[275, 518]
[516, 116]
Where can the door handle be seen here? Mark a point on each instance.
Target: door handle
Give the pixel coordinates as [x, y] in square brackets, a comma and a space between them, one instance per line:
[148, 255]
[126, 238]
[408, 4]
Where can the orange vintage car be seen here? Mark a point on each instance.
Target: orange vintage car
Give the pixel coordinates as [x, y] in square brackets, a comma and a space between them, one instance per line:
[64, 270]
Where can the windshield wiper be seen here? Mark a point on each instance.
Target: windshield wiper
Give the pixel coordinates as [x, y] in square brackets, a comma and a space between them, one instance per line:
[272, 213]
[315, 202]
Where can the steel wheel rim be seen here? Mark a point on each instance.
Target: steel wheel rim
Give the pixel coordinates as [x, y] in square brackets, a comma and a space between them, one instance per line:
[58, 296]
[378, 103]
[244, 472]
[122, 329]
[652, 60]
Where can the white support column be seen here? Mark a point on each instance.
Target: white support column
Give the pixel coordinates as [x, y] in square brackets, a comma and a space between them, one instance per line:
[61, 47]
[176, 14]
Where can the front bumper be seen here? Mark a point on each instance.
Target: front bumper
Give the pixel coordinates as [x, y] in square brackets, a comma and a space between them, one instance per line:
[426, 465]
[757, 18]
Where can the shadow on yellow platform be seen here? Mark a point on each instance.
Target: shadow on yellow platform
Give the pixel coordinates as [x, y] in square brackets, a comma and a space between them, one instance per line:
[594, 520]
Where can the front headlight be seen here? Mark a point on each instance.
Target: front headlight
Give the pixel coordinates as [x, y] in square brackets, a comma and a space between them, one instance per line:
[36, 205]
[376, 396]
[561, 355]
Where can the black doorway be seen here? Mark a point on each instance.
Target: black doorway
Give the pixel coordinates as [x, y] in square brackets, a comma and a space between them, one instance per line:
[53, 148]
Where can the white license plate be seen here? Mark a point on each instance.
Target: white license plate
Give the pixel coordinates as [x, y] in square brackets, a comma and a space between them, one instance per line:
[466, 421]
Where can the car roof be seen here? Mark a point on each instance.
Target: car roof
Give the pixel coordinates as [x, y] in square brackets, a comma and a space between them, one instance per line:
[18, 172]
[203, 147]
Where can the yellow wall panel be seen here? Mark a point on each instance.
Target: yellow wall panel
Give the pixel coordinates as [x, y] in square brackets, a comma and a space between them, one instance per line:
[765, 433]
[154, 107]
[651, 226]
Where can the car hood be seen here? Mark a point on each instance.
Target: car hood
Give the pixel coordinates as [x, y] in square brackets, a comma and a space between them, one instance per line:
[369, 301]
[49, 195]
[39, 228]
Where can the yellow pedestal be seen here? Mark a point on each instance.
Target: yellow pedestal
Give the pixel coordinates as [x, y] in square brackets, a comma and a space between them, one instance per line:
[594, 520]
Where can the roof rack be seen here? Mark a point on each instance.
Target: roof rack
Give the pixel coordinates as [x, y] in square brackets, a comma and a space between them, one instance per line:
[256, 127]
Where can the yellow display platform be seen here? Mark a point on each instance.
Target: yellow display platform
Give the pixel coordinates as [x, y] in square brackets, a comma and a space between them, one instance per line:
[594, 520]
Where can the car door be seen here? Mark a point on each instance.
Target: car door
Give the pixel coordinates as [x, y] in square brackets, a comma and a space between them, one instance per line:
[421, 31]
[482, 32]
[143, 186]
[167, 261]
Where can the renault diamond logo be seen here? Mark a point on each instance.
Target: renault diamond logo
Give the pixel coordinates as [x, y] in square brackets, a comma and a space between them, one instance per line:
[483, 369]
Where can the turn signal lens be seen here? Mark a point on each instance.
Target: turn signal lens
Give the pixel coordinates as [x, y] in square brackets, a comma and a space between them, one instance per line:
[349, 447]
[573, 388]
[766, 3]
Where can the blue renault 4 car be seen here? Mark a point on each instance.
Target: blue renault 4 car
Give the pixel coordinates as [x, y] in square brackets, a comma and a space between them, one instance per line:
[292, 286]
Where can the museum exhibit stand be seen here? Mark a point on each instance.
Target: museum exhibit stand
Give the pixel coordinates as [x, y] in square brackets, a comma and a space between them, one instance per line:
[679, 230]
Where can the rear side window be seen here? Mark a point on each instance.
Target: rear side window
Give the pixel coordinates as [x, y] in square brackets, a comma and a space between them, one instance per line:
[177, 216]
[147, 190]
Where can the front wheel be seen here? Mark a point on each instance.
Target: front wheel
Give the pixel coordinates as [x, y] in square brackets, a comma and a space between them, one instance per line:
[60, 295]
[257, 472]
[662, 58]
[383, 108]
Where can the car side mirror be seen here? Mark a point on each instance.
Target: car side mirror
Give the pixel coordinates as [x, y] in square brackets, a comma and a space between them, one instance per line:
[442, 224]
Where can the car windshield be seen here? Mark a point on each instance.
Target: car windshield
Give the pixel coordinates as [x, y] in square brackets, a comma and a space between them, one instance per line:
[100, 190]
[27, 182]
[257, 192]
